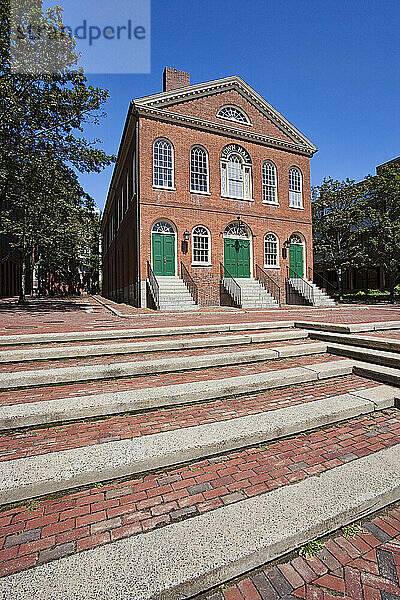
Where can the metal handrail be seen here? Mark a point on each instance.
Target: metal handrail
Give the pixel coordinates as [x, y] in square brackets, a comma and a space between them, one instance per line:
[305, 287]
[313, 275]
[269, 284]
[153, 284]
[190, 283]
[231, 285]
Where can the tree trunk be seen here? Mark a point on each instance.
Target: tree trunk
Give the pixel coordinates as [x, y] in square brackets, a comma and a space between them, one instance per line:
[340, 285]
[22, 289]
[392, 285]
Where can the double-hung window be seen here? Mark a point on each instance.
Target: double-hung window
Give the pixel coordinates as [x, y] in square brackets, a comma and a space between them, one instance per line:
[163, 164]
[269, 184]
[201, 245]
[295, 188]
[198, 170]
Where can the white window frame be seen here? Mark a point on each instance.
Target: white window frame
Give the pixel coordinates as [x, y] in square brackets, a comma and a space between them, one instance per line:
[266, 185]
[296, 195]
[276, 239]
[246, 178]
[207, 190]
[198, 263]
[239, 110]
[164, 187]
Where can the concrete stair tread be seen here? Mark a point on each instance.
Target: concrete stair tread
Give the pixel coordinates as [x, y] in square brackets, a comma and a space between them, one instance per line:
[373, 355]
[174, 295]
[176, 562]
[31, 378]
[52, 472]
[254, 295]
[380, 343]
[320, 297]
[43, 338]
[94, 405]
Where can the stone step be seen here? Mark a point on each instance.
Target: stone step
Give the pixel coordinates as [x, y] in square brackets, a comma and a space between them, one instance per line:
[34, 476]
[21, 379]
[194, 555]
[350, 328]
[320, 297]
[109, 334]
[385, 375]
[13, 356]
[378, 357]
[177, 303]
[67, 409]
[257, 305]
[175, 307]
[385, 344]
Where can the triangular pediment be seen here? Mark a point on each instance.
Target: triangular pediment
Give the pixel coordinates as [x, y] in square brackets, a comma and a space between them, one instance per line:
[201, 101]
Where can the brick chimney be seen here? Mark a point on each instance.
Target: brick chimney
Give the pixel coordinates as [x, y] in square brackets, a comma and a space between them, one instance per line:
[174, 79]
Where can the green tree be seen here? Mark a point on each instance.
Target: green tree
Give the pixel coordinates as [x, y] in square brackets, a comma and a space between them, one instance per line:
[380, 229]
[336, 215]
[42, 117]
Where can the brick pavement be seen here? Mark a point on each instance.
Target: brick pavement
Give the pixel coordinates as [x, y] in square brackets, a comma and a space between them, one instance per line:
[363, 567]
[50, 528]
[43, 316]
[50, 392]
[61, 437]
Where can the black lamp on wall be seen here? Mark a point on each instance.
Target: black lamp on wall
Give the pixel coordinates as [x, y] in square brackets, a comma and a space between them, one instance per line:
[285, 247]
[185, 241]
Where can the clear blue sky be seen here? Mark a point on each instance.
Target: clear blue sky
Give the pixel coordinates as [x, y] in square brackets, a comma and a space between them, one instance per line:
[330, 67]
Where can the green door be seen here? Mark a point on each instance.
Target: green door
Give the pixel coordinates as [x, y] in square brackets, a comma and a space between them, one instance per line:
[237, 257]
[163, 254]
[296, 260]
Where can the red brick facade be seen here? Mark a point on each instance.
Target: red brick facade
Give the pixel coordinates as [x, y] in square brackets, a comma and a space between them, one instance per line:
[268, 137]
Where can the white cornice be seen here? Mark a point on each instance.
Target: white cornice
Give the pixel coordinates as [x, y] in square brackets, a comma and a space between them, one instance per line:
[243, 134]
[199, 90]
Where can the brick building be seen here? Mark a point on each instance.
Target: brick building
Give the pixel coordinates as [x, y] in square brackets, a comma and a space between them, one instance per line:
[210, 200]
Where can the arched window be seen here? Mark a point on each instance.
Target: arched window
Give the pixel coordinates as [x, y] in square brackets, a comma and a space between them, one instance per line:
[233, 114]
[198, 170]
[162, 227]
[163, 164]
[237, 230]
[271, 250]
[236, 173]
[201, 245]
[295, 188]
[269, 183]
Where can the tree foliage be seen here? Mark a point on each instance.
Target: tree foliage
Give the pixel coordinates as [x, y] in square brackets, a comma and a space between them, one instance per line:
[380, 229]
[358, 224]
[44, 210]
[336, 217]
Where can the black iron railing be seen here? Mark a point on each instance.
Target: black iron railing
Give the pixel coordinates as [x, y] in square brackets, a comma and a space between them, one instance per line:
[321, 282]
[231, 285]
[153, 284]
[269, 284]
[190, 283]
[300, 285]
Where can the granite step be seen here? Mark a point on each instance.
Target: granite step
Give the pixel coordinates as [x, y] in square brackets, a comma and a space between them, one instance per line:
[35, 476]
[175, 562]
[31, 414]
[49, 353]
[53, 376]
